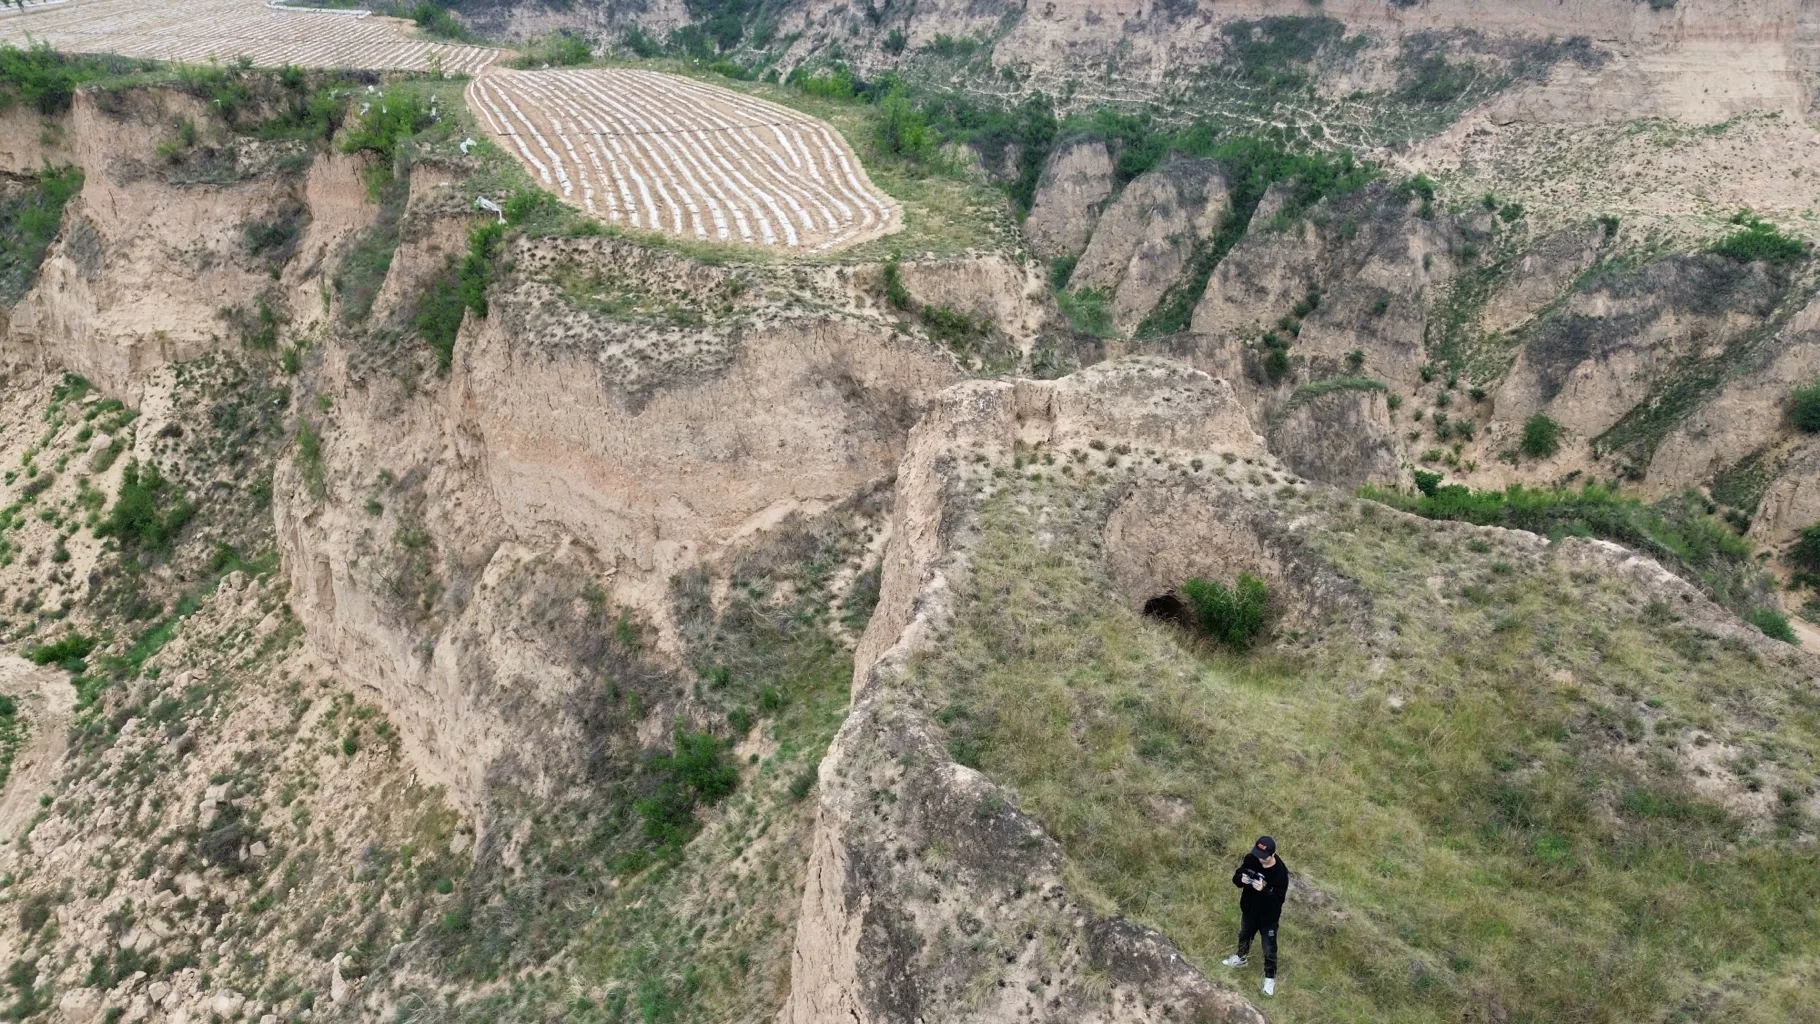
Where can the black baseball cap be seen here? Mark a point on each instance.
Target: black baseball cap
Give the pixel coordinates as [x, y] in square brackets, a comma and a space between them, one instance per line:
[1266, 847]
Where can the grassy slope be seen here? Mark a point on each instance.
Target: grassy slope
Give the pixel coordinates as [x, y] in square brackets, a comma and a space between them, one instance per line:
[1495, 849]
[705, 934]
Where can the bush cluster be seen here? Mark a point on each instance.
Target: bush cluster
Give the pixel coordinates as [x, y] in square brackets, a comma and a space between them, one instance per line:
[696, 771]
[149, 512]
[1758, 240]
[1804, 408]
[1233, 616]
[1541, 437]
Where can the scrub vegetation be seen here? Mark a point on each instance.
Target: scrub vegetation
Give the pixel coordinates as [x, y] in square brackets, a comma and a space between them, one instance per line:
[1496, 813]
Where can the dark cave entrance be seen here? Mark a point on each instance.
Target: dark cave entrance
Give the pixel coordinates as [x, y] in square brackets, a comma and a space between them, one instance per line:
[1168, 608]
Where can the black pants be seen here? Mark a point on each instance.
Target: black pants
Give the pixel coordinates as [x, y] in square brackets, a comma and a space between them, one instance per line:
[1255, 923]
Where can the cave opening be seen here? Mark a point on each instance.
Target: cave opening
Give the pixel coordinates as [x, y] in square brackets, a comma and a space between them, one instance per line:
[1168, 608]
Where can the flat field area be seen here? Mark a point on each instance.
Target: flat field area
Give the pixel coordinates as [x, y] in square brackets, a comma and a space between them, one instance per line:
[670, 154]
[196, 31]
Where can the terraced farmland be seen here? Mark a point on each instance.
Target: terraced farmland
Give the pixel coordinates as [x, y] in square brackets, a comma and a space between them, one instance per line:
[669, 154]
[202, 30]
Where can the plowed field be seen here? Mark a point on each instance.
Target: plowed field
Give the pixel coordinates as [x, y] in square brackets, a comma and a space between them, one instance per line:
[670, 154]
[202, 30]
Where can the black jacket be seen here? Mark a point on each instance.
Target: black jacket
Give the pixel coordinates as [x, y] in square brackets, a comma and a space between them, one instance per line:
[1265, 905]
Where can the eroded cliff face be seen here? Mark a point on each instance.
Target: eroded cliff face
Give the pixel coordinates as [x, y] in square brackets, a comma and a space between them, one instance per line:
[1701, 60]
[880, 938]
[154, 257]
[625, 449]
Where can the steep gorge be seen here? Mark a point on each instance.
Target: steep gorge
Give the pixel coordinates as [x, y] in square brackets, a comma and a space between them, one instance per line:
[398, 723]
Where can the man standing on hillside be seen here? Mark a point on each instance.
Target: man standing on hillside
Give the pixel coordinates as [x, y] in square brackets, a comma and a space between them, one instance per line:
[1263, 881]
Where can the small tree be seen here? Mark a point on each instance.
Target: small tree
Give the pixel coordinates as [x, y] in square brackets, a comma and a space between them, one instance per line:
[900, 129]
[1541, 437]
[1804, 408]
[1232, 616]
[1804, 556]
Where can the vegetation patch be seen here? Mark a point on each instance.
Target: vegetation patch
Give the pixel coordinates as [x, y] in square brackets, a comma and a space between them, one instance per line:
[1541, 437]
[1233, 616]
[148, 514]
[1804, 408]
[1488, 810]
[1316, 389]
[1252, 165]
[1758, 240]
[31, 214]
[1682, 533]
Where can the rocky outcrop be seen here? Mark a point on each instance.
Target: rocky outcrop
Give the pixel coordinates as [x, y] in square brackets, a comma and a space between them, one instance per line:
[1357, 272]
[1144, 241]
[571, 450]
[878, 942]
[1076, 183]
[1342, 437]
[1621, 336]
[154, 263]
[1743, 430]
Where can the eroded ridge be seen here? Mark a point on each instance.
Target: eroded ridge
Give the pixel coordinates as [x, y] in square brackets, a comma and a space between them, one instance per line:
[223, 30]
[665, 153]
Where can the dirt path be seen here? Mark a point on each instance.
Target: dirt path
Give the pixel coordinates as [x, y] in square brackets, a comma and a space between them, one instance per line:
[46, 701]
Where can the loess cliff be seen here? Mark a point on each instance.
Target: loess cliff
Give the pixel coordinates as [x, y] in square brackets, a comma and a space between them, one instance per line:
[414, 614]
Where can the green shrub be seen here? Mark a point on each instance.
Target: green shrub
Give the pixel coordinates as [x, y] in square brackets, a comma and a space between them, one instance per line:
[641, 44]
[435, 20]
[1757, 239]
[895, 292]
[309, 460]
[1427, 482]
[834, 83]
[1089, 310]
[67, 653]
[900, 130]
[1773, 624]
[390, 118]
[1674, 533]
[42, 77]
[149, 512]
[696, 771]
[895, 41]
[439, 313]
[28, 225]
[1231, 616]
[950, 326]
[1315, 389]
[1541, 437]
[1804, 408]
[1804, 555]
[559, 49]
[477, 267]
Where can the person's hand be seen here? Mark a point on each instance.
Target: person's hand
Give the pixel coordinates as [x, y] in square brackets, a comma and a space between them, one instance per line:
[1258, 885]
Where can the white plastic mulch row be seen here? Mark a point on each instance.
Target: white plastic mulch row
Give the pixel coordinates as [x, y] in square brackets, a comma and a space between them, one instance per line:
[223, 30]
[670, 154]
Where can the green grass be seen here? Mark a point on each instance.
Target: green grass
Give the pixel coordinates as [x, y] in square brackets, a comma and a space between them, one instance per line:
[1315, 389]
[1680, 532]
[29, 221]
[1804, 408]
[1758, 240]
[1481, 803]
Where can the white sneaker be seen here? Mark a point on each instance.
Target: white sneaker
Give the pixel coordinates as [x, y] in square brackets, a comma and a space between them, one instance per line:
[1270, 986]
[1234, 960]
